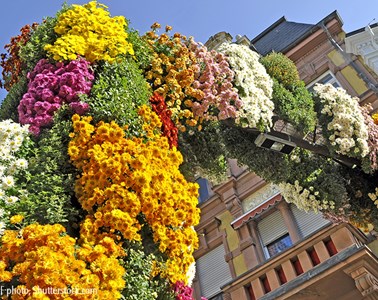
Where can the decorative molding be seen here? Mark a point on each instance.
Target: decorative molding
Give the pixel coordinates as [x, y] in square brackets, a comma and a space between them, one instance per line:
[218, 39]
[365, 44]
[259, 197]
[366, 283]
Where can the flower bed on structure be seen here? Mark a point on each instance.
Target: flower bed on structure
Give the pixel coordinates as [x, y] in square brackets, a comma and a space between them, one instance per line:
[103, 131]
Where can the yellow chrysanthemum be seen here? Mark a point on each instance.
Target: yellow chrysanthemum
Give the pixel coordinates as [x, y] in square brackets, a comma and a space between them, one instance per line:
[122, 178]
[16, 219]
[89, 31]
[43, 256]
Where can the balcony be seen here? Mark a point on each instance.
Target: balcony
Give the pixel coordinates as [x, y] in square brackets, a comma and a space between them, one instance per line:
[334, 263]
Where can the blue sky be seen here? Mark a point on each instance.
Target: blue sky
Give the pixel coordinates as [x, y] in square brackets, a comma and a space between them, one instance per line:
[198, 18]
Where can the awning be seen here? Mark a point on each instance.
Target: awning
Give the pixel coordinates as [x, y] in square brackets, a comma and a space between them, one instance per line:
[256, 211]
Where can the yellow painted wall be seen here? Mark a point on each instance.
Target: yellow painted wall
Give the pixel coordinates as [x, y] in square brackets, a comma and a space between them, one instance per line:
[232, 241]
[336, 57]
[232, 237]
[239, 264]
[374, 247]
[354, 80]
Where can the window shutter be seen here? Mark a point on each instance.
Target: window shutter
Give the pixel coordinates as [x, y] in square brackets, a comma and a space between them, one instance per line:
[271, 227]
[308, 222]
[213, 271]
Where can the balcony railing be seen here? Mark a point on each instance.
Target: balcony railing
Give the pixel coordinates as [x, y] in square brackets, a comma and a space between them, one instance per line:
[259, 282]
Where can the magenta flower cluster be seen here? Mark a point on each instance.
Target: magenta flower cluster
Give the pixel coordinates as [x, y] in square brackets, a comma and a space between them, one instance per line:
[52, 85]
[184, 292]
[215, 78]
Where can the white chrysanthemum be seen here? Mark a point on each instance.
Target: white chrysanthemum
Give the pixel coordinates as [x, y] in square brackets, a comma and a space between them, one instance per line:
[2, 194]
[7, 182]
[21, 163]
[191, 273]
[2, 228]
[254, 85]
[348, 133]
[11, 200]
[303, 198]
[2, 170]
[12, 135]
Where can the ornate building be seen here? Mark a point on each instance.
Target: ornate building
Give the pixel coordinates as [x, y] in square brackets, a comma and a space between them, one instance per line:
[364, 44]
[254, 245]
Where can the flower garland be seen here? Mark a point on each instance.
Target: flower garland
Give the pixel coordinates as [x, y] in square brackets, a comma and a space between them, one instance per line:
[254, 85]
[89, 31]
[343, 121]
[372, 138]
[50, 86]
[126, 156]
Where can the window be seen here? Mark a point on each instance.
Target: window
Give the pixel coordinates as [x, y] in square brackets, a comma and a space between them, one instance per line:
[204, 189]
[265, 284]
[327, 77]
[330, 247]
[250, 293]
[308, 222]
[279, 245]
[273, 233]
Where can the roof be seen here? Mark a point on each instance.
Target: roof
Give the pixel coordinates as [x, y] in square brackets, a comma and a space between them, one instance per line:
[280, 35]
[360, 30]
[283, 34]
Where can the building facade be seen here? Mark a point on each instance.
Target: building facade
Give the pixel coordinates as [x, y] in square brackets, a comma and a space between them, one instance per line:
[254, 245]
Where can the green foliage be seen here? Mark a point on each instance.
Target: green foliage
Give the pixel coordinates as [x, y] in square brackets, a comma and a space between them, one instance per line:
[50, 177]
[139, 283]
[292, 101]
[295, 107]
[320, 173]
[33, 50]
[283, 69]
[8, 109]
[143, 52]
[271, 166]
[117, 92]
[204, 154]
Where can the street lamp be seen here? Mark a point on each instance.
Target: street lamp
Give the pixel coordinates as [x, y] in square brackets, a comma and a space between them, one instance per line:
[267, 141]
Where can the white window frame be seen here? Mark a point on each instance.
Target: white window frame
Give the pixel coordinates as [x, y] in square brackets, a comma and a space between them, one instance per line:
[332, 81]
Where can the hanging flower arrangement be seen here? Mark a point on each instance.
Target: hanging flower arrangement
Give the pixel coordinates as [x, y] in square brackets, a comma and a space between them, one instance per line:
[343, 121]
[214, 77]
[254, 86]
[93, 195]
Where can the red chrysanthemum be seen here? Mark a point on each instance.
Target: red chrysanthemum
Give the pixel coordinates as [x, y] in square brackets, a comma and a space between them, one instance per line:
[168, 128]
